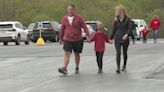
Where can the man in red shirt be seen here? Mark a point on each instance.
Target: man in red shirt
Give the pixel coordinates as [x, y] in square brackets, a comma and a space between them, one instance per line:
[71, 37]
[154, 26]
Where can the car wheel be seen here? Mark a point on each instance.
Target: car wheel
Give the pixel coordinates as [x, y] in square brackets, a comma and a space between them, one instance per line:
[17, 41]
[57, 37]
[45, 40]
[5, 43]
[84, 38]
[138, 39]
[54, 39]
[28, 40]
[34, 40]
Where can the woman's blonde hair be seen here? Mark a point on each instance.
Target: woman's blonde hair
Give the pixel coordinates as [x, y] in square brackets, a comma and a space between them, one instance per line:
[121, 10]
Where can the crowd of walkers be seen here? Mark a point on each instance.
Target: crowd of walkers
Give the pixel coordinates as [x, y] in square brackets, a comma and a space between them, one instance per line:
[122, 26]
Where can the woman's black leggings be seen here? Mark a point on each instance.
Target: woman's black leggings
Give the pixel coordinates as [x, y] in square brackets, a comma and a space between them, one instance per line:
[99, 57]
[118, 45]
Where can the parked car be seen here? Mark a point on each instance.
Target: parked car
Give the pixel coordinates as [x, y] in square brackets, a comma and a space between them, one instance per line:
[93, 24]
[140, 23]
[50, 31]
[13, 31]
[91, 31]
[30, 29]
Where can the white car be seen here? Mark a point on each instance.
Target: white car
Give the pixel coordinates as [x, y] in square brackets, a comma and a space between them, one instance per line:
[140, 23]
[13, 31]
[93, 24]
[91, 31]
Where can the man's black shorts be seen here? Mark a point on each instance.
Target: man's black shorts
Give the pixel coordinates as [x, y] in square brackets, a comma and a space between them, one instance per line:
[76, 46]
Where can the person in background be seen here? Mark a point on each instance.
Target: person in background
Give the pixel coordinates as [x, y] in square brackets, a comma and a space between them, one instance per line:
[100, 37]
[133, 31]
[144, 33]
[154, 26]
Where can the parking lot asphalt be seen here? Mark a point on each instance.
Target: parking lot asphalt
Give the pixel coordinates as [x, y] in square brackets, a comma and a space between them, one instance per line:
[31, 68]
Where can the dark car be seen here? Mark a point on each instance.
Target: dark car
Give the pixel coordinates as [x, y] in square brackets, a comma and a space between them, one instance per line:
[49, 31]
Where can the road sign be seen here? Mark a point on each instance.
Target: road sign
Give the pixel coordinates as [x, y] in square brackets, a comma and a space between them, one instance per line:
[40, 41]
[40, 25]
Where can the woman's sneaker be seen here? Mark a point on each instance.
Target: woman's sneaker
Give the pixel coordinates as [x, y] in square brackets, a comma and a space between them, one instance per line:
[76, 70]
[100, 71]
[62, 70]
[124, 68]
[118, 71]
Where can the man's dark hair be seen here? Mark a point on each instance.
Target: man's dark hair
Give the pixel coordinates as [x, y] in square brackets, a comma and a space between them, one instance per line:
[72, 5]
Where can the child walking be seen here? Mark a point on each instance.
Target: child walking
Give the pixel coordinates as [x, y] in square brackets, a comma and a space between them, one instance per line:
[144, 34]
[100, 37]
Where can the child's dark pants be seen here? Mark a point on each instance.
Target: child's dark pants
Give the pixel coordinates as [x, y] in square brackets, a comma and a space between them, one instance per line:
[99, 57]
[144, 40]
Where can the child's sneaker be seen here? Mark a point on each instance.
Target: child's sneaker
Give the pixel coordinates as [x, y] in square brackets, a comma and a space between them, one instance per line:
[76, 70]
[62, 70]
[100, 71]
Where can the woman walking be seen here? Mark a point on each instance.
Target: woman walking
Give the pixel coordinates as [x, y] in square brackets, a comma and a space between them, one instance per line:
[121, 31]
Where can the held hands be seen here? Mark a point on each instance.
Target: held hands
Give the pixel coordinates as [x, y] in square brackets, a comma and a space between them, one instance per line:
[125, 37]
[88, 39]
[111, 41]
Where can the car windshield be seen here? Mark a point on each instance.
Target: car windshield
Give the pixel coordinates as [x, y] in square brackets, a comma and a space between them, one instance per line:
[135, 22]
[31, 26]
[6, 26]
[46, 25]
[90, 28]
[93, 25]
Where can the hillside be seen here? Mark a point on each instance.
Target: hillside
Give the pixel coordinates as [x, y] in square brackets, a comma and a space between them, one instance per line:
[28, 11]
